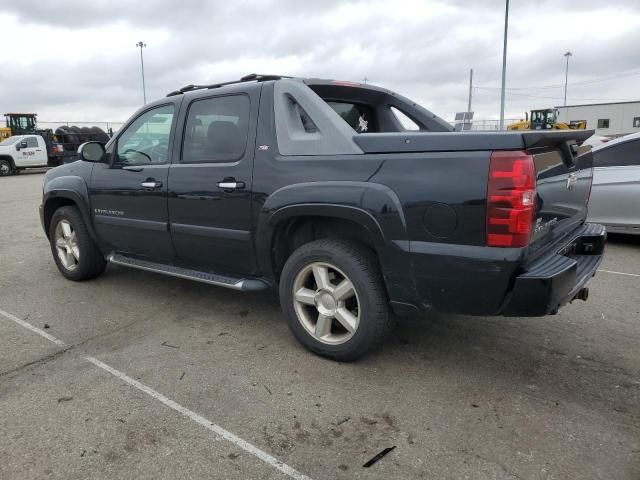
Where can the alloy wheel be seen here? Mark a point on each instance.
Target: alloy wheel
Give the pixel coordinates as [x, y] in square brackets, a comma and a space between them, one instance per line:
[67, 245]
[326, 303]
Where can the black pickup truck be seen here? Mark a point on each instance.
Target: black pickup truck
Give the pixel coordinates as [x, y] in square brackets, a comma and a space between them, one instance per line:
[352, 200]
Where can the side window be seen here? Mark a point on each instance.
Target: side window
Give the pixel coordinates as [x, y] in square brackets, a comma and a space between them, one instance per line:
[216, 130]
[404, 120]
[146, 140]
[32, 142]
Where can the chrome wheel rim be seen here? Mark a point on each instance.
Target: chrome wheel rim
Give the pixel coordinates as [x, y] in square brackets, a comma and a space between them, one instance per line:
[67, 245]
[4, 168]
[326, 303]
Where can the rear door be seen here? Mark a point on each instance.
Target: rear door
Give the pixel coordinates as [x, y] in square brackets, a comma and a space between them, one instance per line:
[615, 197]
[210, 182]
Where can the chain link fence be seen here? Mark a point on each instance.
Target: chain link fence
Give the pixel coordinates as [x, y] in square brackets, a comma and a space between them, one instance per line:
[106, 126]
[490, 125]
[478, 125]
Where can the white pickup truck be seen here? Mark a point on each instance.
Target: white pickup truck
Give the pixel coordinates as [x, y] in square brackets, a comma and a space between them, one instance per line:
[22, 151]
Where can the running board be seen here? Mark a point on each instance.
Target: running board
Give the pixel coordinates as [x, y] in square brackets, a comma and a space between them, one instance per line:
[244, 284]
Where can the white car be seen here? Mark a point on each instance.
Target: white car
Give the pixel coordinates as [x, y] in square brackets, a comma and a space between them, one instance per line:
[22, 151]
[595, 140]
[615, 194]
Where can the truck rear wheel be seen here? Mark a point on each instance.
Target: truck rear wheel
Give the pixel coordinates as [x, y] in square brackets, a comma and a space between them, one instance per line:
[76, 255]
[5, 168]
[334, 300]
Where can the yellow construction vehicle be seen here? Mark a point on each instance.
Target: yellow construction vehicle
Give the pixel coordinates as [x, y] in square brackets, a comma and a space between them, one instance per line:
[546, 119]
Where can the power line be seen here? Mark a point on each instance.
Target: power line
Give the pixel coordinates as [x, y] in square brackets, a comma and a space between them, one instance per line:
[559, 97]
[630, 73]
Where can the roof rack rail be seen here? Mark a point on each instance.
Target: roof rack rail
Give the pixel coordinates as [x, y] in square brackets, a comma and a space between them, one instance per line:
[247, 78]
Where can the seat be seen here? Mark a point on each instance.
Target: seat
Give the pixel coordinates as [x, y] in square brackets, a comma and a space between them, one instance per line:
[224, 141]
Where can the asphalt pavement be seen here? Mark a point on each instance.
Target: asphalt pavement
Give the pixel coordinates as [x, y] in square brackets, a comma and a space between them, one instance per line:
[138, 375]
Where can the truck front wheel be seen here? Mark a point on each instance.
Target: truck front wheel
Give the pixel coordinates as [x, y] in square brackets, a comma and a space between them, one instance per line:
[334, 300]
[76, 255]
[5, 168]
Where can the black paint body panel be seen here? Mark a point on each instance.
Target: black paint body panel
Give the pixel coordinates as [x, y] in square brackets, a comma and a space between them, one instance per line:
[420, 196]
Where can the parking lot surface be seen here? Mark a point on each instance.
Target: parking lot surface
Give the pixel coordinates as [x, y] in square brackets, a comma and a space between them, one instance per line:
[459, 397]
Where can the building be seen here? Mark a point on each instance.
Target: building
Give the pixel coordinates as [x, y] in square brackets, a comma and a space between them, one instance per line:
[608, 119]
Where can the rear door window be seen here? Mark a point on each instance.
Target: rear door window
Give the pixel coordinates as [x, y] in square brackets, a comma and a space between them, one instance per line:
[216, 130]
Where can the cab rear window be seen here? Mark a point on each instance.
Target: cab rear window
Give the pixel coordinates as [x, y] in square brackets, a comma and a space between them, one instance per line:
[359, 117]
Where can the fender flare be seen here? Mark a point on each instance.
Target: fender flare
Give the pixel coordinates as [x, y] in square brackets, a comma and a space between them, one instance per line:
[376, 207]
[72, 188]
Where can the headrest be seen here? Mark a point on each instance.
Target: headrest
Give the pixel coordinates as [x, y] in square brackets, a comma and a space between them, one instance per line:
[223, 137]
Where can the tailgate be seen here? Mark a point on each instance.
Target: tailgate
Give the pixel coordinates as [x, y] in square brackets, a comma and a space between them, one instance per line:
[563, 183]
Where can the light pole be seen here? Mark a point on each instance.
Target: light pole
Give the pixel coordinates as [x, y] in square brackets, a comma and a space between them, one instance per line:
[504, 64]
[566, 76]
[144, 90]
[470, 89]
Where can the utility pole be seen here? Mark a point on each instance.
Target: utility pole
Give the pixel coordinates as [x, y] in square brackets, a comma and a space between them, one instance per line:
[144, 90]
[566, 76]
[504, 64]
[470, 89]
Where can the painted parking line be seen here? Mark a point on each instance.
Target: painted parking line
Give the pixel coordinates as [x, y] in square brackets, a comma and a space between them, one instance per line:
[37, 330]
[220, 432]
[620, 273]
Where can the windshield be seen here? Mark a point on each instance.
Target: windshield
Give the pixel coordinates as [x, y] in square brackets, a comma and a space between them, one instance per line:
[9, 141]
[543, 116]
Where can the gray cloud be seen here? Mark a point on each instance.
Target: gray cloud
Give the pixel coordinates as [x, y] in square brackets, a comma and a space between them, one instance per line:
[422, 49]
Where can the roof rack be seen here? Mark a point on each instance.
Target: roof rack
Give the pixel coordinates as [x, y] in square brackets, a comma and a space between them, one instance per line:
[247, 78]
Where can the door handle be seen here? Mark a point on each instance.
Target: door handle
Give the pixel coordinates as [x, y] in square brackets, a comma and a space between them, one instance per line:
[230, 185]
[151, 184]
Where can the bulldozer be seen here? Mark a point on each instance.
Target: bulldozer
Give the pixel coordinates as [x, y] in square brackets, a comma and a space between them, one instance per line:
[546, 119]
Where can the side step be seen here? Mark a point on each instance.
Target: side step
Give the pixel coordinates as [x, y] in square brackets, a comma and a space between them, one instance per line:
[244, 284]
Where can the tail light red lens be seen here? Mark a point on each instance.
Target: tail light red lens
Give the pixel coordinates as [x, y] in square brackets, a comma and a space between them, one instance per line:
[511, 199]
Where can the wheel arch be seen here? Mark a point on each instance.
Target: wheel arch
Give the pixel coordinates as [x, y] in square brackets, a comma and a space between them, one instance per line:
[293, 226]
[11, 160]
[66, 191]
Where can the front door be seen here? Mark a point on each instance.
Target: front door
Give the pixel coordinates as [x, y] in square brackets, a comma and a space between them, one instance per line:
[210, 183]
[34, 154]
[129, 194]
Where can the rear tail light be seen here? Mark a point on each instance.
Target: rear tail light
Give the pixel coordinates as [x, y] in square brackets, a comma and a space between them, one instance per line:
[511, 199]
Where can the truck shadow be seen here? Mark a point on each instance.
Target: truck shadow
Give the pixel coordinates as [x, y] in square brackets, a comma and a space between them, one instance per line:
[623, 239]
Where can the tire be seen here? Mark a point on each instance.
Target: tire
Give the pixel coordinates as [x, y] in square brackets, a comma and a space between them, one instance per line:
[99, 135]
[369, 319]
[5, 168]
[89, 260]
[76, 136]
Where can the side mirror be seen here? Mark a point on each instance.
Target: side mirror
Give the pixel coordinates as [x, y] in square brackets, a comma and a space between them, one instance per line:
[20, 145]
[91, 152]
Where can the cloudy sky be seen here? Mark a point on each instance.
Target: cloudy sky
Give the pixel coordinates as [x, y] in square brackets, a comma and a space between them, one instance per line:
[76, 60]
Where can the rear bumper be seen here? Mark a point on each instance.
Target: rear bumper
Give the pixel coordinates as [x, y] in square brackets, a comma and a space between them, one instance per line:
[556, 279]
